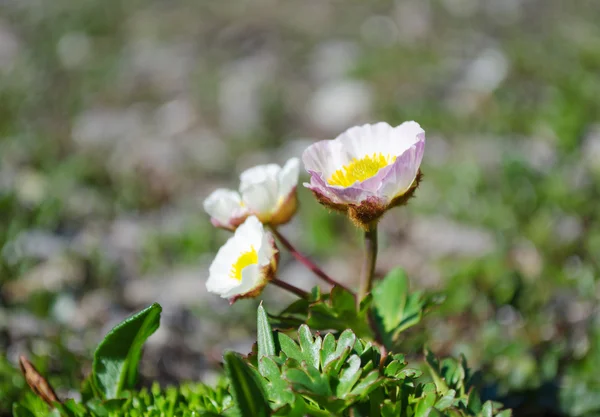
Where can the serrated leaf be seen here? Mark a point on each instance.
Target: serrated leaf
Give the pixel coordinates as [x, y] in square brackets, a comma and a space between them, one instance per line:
[245, 388]
[338, 312]
[434, 368]
[453, 373]
[394, 308]
[505, 413]
[487, 410]
[474, 402]
[310, 347]
[367, 384]
[288, 347]
[308, 381]
[265, 341]
[348, 376]
[446, 401]
[275, 386]
[425, 404]
[328, 352]
[116, 359]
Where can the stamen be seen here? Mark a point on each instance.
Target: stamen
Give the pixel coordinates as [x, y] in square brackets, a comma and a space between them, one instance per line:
[360, 169]
[245, 259]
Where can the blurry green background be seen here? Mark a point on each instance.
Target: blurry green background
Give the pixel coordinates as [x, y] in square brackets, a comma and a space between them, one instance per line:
[118, 117]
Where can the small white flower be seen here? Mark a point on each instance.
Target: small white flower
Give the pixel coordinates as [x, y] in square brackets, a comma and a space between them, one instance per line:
[266, 191]
[367, 169]
[245, 263]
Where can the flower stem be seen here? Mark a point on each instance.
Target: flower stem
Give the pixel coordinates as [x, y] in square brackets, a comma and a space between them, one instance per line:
[289, 287]
[368, 271]
[307, 262]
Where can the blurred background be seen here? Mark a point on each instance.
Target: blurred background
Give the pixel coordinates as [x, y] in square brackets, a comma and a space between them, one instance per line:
[117, 118]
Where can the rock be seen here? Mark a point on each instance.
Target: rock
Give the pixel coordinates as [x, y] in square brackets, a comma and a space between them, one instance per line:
[34, 243]
[333, 60]
[175, 117]
[104, 127]
[590, 149]
[442, 237]
[182, 287]
[73, 49]
[9, 48]
[338, 105]
[379, 31]
[52, 276]
[240, 93]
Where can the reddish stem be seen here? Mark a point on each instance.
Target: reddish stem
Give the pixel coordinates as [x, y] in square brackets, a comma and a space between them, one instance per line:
[307, 262]
[291, 288]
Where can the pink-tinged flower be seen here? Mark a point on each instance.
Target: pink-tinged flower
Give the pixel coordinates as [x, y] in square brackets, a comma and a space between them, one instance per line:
[367, 169]
[266, 191]
[245, 263]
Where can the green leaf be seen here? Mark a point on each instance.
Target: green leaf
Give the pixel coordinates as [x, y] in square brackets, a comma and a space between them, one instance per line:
[275, 386]
[308, 381]
[434, 368]
[348, 376]
[310, 347]
[474, 402]
[338, 312]
[446, 401]
[20, 411]
[265, 341]
[395, 309]
[116, 359]
[245, 388]
[288, 347]
[487, 410]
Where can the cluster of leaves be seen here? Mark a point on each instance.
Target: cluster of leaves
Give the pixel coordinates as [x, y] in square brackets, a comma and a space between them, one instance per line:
[390, 306]
[317, 376]
[186, 401]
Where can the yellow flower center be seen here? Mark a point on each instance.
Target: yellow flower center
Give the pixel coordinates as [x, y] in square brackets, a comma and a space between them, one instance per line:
[360, 169]
[245, 259]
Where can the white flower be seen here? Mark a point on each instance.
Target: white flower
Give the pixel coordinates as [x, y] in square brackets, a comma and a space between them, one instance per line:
[245, 264]
[367, 169]
[266, 191]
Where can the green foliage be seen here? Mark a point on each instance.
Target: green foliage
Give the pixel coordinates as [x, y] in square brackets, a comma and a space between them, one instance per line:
[245, 388]
[394, 308]
[334, 375]
[186, 400]
[116, 358]
[334, 311]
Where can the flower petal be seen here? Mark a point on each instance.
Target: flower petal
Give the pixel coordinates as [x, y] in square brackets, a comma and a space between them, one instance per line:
[250, 233]
[325, 157]
[250, 279]
[404, 171]
[261, 200]
[288, 178]
[258, 175]
[223, 205]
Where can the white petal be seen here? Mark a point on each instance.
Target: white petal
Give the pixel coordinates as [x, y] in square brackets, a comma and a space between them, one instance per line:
[259, 174]
[221, 285]
[266, 251]
[288, 178]
[261, 199]
[250, 234]
[223, 205]
[403, 137]
[219, 279]
[250, 278]
[326, 157]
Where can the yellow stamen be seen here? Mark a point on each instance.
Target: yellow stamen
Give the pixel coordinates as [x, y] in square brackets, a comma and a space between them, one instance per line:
[245, 259]
[360, 169]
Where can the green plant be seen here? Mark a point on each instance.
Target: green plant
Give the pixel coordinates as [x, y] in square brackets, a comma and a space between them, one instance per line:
[338, 374]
